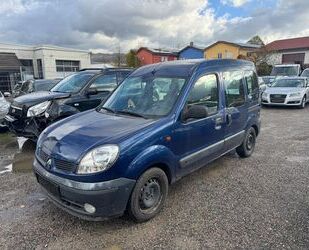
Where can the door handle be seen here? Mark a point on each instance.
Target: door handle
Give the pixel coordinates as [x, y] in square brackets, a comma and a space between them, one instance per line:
[218, 123]
[229, 119]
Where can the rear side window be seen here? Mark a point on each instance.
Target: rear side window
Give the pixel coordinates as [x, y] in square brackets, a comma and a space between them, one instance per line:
[205, 92]
[122, 75]
[252, 84]
[234, 88]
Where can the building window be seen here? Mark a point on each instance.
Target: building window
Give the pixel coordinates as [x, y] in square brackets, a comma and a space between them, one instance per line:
[220, 55]
[27, 67]
[40, 68]
[229, 55]
[164, 58]
[67, 66]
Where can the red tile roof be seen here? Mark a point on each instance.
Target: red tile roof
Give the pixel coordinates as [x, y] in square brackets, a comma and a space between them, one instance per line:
[286, 44]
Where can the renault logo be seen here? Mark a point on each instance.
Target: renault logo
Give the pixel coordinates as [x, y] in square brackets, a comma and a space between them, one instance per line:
[48, 163]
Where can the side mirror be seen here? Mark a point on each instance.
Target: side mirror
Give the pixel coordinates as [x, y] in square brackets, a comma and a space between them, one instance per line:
[7, 94]
[92, 91]
[194, 112]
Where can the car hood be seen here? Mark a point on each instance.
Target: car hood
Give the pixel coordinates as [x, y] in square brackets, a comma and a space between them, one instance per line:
[71, 138]
[275, 90]
[38, 97]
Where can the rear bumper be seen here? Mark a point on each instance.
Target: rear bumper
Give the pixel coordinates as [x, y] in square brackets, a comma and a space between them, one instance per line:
[109, 198]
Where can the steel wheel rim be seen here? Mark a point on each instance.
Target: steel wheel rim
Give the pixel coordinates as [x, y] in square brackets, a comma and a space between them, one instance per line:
[250, 141]
[150, 196]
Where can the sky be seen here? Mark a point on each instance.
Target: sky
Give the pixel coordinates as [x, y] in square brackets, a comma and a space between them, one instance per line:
[107, 25]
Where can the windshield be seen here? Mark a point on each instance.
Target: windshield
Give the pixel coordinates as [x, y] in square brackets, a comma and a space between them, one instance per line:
[285, 71]
[289, 83]
[147, 96]
[72, 83]
[305, 73]
[44, 85]
[27, 87]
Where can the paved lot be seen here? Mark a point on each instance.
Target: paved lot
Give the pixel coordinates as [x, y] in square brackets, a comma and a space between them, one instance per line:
[259, 202]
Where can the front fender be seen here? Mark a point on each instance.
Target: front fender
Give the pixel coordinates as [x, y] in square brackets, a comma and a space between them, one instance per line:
[57, 111]
[154, 155]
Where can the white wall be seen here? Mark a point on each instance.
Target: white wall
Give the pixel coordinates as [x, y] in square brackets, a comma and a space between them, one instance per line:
[49, 55]
[276, 58]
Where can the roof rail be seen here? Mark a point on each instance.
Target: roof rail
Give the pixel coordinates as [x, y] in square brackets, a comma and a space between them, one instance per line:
[107, 69]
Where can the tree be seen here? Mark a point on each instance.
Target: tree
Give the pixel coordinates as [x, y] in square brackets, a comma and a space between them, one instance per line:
[256, 40]
[132, 59]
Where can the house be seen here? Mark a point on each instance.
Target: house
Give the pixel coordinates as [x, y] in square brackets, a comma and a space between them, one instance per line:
[229, 50]
[191, 52]
[149, 56]
[39, 61]
[293, 50]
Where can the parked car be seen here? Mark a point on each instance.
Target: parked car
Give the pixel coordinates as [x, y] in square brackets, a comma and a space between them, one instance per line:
[4, 108]
[163, 122]
[30, 86]
[32, 113]
[287, 91]
[279, 70]
[305, 73]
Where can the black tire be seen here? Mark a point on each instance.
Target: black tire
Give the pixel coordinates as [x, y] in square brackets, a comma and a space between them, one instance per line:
[148, 196]
[303, 103]
[247, 147]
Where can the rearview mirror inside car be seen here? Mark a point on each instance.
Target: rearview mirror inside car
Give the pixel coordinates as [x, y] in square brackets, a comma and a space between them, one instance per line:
[194, 112]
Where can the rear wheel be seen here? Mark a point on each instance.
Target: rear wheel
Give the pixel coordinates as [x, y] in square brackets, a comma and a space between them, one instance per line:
[149, 194]
[247, 147]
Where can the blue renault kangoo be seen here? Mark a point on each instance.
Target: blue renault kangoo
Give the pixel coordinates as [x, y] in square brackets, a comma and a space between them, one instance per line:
[163, 122]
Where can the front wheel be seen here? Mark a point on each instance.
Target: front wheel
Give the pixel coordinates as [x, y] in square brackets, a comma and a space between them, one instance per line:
[247, 147]
[303, 103]
[148, 196]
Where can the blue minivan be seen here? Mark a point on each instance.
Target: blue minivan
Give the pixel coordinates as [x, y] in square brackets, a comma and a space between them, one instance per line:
[163, 122]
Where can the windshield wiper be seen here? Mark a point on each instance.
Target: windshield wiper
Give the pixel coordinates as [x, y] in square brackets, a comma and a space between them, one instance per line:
[127, 112]
[108, 109]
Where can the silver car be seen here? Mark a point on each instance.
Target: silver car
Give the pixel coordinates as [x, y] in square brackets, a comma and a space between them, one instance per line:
[287, 91]
[4, 107]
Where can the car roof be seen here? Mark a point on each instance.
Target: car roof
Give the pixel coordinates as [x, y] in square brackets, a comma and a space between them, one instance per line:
[184, 68]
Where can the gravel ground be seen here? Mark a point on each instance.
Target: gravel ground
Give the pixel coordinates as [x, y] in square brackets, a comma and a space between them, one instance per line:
[259, 202]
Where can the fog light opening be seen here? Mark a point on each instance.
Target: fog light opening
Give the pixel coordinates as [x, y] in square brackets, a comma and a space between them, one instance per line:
[89, 208]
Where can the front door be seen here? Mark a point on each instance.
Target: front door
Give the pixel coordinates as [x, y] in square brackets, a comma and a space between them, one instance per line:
[236, 109]
[198, 141]
[99, 90]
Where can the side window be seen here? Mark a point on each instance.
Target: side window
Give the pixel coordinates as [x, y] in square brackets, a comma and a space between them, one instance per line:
[105, 83]
[234, 88]
[252, 84]
[122, 75]
[205, 92]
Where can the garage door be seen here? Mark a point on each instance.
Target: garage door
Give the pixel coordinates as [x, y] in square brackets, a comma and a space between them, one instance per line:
[298, 58]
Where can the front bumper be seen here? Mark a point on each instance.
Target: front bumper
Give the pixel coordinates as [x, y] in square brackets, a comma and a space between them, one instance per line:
[289, 101]
[26, 127]
[109, 198]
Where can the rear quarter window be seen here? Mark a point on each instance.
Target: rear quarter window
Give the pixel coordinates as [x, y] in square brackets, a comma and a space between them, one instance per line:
[234, 88]
[252, 85]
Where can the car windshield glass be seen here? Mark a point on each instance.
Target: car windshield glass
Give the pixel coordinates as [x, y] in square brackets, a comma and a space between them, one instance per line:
[285, 71]
[44, 85]
[145, 96]
[289, 83]
[305, 73]
[72, 83]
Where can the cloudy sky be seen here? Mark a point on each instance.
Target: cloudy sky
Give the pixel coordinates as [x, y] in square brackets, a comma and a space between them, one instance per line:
[104, 25]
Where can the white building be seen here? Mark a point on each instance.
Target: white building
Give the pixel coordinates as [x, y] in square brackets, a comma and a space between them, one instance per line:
[287, 51]
[48, 61]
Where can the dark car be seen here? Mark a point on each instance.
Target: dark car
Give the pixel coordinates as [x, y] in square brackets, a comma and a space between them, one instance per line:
[30, 114]
[163, 122]
[30, 86]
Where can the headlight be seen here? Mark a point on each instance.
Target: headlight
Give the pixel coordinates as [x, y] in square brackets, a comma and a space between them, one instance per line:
[98, 159]
[38, 109]
[295, 94]
[264, 95]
